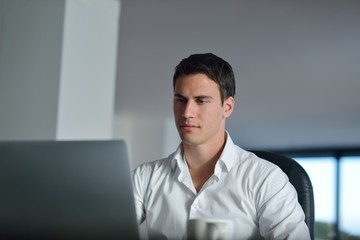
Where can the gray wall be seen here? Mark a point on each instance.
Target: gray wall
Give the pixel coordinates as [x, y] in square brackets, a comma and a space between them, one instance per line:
[296, 65]
[30, 57]
[58, 69]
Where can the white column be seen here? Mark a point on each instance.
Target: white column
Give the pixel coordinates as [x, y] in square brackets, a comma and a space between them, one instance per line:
[88, 70]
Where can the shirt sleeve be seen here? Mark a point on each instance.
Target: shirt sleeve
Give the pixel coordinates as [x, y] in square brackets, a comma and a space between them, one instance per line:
[279, 212]
[138, 188]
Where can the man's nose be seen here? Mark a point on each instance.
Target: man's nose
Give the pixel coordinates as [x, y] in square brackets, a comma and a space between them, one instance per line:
[189, 110]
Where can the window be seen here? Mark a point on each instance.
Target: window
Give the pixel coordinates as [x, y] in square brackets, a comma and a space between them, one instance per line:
[335, 176]
[322, 172]
[350, 196]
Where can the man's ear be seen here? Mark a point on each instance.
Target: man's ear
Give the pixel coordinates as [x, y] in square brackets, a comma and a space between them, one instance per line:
[228, 106]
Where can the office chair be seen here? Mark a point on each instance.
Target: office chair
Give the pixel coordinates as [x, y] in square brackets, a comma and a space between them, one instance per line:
[300, 180]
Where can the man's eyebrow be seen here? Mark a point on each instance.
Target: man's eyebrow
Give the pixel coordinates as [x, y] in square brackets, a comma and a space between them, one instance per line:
[178, 95]
[204, 97]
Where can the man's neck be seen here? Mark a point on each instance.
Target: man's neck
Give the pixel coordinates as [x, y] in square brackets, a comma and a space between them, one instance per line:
[202, 154]
[201, 161]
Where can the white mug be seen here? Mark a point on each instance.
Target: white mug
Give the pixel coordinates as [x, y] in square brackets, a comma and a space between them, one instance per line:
[210, 229]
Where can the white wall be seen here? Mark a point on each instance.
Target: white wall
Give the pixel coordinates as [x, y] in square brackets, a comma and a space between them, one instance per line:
[149, 137]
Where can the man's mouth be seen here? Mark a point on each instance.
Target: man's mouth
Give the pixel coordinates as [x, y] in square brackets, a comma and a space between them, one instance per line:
[188, 127]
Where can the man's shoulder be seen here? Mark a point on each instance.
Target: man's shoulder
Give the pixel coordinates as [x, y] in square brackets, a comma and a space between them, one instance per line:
[240, 156]
[248, 159]
[150, 167]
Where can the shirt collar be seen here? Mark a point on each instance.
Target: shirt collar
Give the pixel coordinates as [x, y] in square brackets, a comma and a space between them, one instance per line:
[226, 159]
[177, 157]
[228, 155]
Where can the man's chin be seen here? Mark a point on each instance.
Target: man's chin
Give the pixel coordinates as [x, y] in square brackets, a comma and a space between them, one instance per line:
[189, 141]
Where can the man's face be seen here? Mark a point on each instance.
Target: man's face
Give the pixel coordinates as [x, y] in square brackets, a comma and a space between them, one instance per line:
[198, 110]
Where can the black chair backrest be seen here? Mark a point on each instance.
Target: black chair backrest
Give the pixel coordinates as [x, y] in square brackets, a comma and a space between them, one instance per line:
[299, 179]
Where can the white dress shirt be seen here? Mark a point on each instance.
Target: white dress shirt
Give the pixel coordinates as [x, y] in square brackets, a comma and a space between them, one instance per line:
[252, 192]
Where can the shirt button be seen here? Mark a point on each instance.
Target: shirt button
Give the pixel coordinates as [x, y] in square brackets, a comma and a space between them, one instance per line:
[195, 204]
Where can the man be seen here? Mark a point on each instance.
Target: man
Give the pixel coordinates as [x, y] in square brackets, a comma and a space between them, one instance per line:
[208, 176]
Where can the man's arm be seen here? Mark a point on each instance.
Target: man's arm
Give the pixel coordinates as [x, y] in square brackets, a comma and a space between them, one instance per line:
[138, 195]
[279, 213]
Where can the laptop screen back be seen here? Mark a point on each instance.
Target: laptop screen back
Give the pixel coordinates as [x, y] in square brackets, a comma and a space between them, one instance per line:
[66, 190]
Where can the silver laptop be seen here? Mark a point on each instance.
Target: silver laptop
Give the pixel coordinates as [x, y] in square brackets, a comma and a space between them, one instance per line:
[66, 190]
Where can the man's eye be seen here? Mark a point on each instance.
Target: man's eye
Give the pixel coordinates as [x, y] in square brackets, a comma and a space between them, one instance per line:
[202, 101]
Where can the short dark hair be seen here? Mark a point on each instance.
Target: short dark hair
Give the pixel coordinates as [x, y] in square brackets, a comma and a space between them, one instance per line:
[213, 66]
